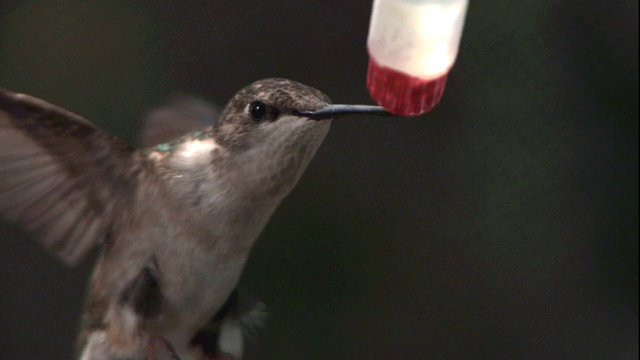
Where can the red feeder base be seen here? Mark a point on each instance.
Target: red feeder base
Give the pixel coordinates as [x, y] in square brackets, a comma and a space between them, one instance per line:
[403, 94]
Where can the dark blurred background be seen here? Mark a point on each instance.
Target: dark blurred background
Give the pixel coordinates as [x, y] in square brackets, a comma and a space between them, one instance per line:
[502, 225]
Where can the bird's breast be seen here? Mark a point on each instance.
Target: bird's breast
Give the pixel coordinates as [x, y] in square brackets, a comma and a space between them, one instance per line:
[196, 282]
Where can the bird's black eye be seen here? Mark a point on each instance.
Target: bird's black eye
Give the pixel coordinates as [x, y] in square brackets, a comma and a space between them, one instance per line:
[258, 111]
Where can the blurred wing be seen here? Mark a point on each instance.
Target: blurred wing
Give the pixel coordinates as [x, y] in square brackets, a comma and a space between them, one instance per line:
[183, 114]
[240, 317]
[60, 175]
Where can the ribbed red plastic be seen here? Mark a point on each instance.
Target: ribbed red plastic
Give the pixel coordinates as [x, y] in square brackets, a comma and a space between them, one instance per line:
[403, 94]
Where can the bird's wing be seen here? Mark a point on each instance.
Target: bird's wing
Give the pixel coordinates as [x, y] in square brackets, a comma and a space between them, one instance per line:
[183, 114]
[240, 317]
[60, 175]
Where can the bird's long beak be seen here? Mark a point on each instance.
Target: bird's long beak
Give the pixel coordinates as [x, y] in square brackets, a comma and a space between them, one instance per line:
[337, 110]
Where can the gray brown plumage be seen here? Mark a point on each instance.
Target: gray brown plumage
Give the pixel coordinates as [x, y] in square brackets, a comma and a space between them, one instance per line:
[176, 221]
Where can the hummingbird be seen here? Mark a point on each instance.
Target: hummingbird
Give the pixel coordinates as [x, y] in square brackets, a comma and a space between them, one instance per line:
[174, 222]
